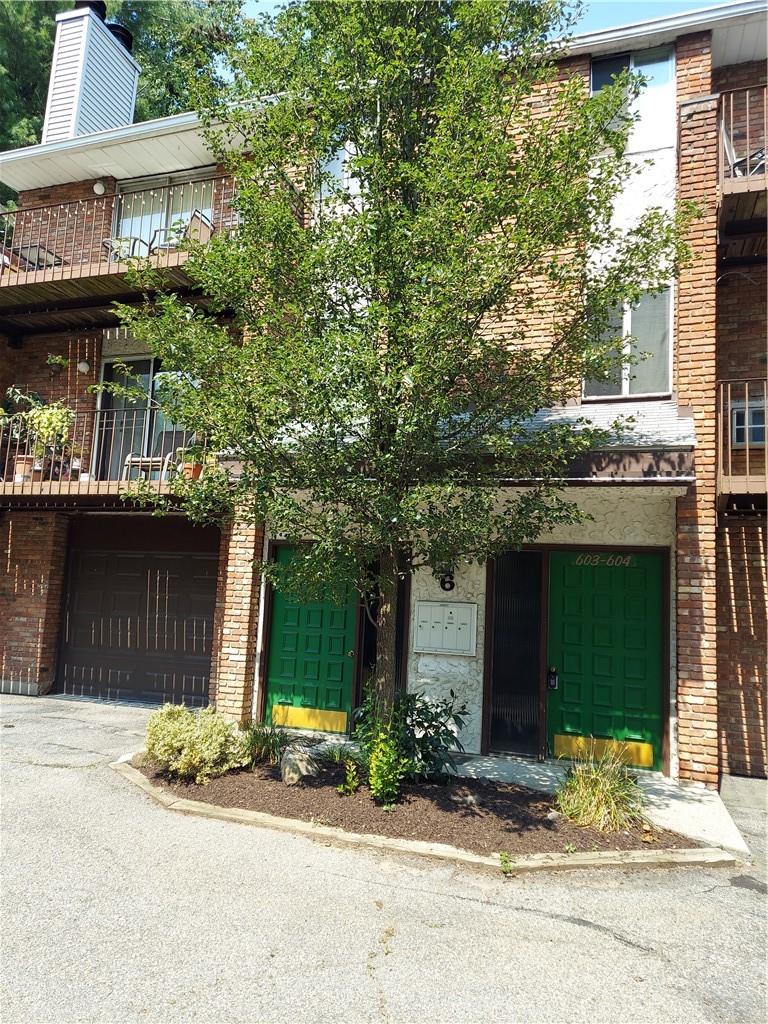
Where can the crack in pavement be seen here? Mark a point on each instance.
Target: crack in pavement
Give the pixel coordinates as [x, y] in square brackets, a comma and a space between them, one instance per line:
[581, 922]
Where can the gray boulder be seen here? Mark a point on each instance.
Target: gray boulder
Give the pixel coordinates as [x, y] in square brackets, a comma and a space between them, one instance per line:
[297, 764]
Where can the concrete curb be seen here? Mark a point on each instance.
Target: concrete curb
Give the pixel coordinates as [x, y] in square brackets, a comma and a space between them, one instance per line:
[702, 856]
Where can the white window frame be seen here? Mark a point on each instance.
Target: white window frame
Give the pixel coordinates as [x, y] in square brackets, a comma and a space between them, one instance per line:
[747, 426]
[626, 367]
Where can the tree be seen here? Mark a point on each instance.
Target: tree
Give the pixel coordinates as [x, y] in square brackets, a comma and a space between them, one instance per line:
[373, 379]
[162, 32]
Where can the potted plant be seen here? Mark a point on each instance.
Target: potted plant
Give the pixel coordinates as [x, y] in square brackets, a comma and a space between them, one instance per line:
[41, 433]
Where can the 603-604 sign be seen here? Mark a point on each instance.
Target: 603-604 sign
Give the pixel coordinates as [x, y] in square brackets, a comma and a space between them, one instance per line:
[595, 558]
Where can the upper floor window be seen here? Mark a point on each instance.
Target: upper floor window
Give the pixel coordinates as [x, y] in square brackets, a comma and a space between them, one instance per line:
[655, 110]
[153, 215]
[643, 365]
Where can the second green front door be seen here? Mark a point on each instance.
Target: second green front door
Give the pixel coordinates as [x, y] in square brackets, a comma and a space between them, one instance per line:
[605, 643]
[310, 664]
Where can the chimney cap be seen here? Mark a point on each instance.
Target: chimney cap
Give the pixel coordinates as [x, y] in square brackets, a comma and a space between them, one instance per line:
[121, 34]
[98, 7]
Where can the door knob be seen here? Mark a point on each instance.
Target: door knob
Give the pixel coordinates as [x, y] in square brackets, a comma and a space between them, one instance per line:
[553, 680]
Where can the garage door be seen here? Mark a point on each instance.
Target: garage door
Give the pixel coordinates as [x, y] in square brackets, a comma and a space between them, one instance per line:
[138, 612]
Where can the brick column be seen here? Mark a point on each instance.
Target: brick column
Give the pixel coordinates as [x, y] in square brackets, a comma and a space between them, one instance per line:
[33, 552]
[695, 385]
[236, 619]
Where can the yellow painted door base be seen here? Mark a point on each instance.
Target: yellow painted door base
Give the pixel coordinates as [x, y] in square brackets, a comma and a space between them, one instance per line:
[309, 718]
[632, 752]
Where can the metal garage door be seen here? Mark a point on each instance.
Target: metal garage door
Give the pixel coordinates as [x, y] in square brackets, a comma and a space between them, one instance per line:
[138, 610]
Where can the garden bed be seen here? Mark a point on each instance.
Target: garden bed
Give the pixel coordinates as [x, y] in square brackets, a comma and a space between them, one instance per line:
[480, 816]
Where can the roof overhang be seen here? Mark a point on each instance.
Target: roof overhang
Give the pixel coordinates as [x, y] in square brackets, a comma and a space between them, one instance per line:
[738, 33]
[162, 146]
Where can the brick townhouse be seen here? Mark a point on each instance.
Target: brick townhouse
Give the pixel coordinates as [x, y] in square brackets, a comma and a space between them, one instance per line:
[645, 624]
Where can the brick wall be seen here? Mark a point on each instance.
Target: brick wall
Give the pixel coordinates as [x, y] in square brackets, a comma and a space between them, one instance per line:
[695, 376]
[236, 619]
[67, 221]
[33, 550]
[742, 646]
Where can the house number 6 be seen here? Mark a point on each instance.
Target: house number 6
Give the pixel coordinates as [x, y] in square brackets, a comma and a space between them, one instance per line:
[447, 581]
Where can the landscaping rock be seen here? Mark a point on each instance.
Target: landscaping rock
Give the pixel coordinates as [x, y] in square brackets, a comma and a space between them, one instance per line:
[466, 799]
[553, 815]
[297, 764]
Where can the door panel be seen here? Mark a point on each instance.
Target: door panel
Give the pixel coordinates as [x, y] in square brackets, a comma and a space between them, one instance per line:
[605, 640]
[138, 626]
[516, 672]
[310, 668]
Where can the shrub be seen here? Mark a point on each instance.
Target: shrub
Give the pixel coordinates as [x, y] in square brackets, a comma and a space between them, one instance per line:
[191, 745]
[263, 742]
[387, 767]
[600, 792]
[351, 782]
[427, 731]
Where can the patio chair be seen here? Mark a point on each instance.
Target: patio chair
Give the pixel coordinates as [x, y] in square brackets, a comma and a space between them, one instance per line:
[745, 166]
[163, 460]
[123, 248]
[197, 229]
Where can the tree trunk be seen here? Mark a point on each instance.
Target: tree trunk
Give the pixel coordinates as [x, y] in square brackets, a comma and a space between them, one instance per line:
[386, 631]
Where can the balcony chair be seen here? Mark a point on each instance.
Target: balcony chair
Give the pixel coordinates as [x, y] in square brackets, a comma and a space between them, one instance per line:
[197, 229]
[744, 166]
[123, 248]
[164, 460]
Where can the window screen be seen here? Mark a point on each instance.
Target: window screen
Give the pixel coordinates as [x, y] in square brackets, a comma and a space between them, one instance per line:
[649, 327]
[603, 71]
[612, 384]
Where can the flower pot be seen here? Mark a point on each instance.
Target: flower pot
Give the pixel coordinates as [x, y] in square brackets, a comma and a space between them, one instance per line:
[24, 469]
[192, 470]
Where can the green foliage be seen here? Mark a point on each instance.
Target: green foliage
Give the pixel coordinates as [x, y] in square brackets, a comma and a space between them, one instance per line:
[263, 742]
[45, 425]
[427, 730]
[506, 863]
[375, 382]
[600, 792]
[386, 766]
[351, 782]
[194, 745]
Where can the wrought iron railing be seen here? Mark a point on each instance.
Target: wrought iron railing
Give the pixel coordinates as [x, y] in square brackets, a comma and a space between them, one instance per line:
[743, 131]
[742, 441]
[100, 234]
[105, 451]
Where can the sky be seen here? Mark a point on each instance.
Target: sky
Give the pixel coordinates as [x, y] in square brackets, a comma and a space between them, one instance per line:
[599, 14]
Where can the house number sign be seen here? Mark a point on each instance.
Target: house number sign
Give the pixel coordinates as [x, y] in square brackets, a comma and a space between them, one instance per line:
[602, 558]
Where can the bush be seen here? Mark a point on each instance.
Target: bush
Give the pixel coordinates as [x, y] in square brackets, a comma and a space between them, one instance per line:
[386, 765]
[191, 745]
[427, 731]
[600, 792]
[264, 743]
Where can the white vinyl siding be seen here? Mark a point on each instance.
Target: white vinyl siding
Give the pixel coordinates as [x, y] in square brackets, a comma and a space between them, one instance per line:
[65, 81]
[93, 79]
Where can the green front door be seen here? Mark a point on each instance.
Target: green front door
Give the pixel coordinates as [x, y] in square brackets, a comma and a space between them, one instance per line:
[310, 665]
[605, 642]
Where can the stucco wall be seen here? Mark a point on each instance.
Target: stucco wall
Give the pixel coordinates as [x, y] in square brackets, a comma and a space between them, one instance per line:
[620, 515]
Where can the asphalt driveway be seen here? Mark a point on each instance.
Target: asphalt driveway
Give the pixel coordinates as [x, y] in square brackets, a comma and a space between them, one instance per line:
[117, 910]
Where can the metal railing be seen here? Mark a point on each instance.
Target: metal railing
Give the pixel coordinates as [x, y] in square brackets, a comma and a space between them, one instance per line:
[743, 130]
[100, 234]
[742, 440]
[99, 452]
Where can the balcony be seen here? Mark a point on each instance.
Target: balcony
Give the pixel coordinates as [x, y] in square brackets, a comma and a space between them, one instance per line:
[743, 126]
[742, 443]
[77, 254]
[98, 454]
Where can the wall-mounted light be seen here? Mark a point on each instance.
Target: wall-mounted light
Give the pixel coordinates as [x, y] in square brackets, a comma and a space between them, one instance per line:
[83, 366]
[99, 188]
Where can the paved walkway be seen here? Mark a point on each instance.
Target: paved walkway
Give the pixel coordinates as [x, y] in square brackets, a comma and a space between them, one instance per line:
[116, 911]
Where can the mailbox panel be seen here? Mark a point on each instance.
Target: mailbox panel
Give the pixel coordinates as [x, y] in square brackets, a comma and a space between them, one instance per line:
[445, 627]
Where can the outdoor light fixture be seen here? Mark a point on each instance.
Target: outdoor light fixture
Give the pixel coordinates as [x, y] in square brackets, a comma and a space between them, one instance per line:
[83, 366]
[99, 188]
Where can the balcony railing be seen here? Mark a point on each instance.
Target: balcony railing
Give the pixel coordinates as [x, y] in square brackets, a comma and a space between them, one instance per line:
[99, 235]
[102, 452]
[742, 441]
[743, 130]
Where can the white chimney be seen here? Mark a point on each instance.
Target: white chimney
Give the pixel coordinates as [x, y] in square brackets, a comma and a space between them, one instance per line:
[93, 77]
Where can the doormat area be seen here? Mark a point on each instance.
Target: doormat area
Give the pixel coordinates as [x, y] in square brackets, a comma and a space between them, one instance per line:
[480, 816]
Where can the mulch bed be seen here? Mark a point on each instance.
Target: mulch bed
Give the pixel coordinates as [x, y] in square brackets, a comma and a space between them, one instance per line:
[481, 816]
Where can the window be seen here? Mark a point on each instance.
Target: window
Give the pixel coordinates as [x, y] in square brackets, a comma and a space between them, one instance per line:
[154, 214]
[754, 415]
[655, 107]
[646, 330]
